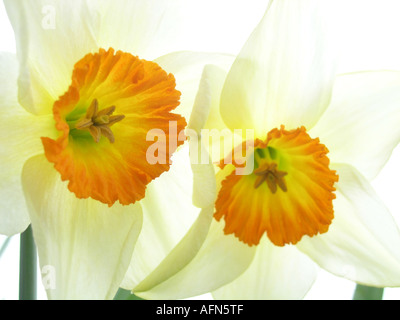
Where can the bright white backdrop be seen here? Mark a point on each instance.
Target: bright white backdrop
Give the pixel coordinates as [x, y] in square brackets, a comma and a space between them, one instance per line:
[366, 33]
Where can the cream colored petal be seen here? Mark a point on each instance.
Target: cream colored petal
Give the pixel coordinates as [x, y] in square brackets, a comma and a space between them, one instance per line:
[51, 36]
[220, 260]
[206, 121]
[84, 246]
[146, 28]
[206, 132]
[361, 125]
[20, 132]
[187, 67]
[198, 264]
[205, 114]
[275, 274]
[153, 28]
[168, 214]
[204, 184]
[363, 242]
[285, 71]
[180, 255]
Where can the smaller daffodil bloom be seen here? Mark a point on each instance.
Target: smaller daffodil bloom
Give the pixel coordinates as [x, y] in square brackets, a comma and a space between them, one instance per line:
[319, 139]
[90, 81]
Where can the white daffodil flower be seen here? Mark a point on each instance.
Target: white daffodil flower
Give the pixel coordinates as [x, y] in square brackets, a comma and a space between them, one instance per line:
[78, 102]
[318, 141]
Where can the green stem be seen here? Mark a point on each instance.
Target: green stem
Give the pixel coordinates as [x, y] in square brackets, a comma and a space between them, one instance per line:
[4, 246]
[368, 293]
[27, 266]
[123, 294]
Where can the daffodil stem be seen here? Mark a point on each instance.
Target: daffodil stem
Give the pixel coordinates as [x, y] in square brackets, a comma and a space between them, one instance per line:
[123, 294]
[27, 266]
[367, 293]
[4, 246]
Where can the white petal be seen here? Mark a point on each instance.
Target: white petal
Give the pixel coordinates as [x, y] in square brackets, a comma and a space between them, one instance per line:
[20, 132]
[198, 263]
[153, 28]
[168, 213]
[204, 184]
[275, 274]
[85, 245]
[361, 126]
[206, 104]
[187, 67]
[205, 133]
[51, 37]
[206, 121]
[284, 73]
[220, 260]
[148, 28]
[180, 255]
[363, 242]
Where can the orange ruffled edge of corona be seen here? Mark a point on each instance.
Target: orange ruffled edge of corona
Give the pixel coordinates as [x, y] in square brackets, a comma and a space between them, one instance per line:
[288, 195]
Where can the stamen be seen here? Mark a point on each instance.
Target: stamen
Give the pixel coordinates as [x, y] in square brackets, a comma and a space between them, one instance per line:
[98, 123]
[115, 119]
[92, 110]
[268, 172]
[99, 120]
[107, 111]
[96, 133]
[83, 124]
[106, 131]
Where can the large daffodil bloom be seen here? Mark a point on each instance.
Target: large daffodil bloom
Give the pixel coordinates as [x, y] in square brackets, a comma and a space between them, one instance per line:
[78, 103]
[318, 141]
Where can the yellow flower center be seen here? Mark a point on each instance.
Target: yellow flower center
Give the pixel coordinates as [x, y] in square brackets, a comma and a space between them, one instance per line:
[288, 195]
[118, 90]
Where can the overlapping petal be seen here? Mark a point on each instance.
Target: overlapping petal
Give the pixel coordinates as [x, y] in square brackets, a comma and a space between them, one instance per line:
[168, 214]
[190, 76]
[219, 260]
[206, 121]
[204, 260]
[187, 67]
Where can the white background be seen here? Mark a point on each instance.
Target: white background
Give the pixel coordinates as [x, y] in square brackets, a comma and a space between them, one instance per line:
[367, 34]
